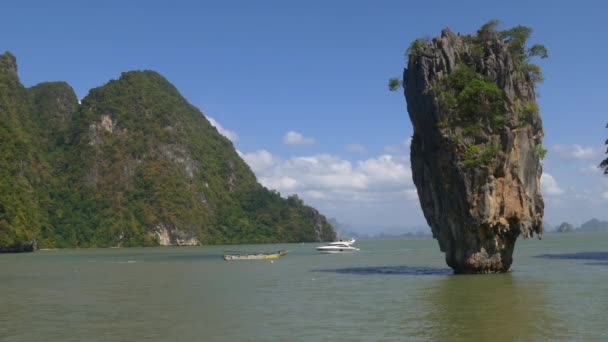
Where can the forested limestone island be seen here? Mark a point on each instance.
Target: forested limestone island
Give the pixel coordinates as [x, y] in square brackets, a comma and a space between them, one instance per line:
[477, 145]
[565, 227]
[591, 225]
[133, 164]
[594, 225]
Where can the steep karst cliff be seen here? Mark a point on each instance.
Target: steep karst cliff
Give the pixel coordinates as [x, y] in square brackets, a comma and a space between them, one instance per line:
[477, 145]
[134, 164]
[22, 170]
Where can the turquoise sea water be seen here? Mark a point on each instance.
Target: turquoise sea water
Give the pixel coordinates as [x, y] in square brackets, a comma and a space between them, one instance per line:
[391, 290]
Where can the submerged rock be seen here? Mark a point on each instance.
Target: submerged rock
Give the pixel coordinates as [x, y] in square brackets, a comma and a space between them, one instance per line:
[28, 246]
[476, 147]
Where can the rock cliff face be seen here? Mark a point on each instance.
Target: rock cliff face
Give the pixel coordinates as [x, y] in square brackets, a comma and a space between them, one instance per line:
[476, 146]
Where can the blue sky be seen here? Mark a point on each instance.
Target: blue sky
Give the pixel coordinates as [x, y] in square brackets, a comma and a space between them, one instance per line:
[319, 69]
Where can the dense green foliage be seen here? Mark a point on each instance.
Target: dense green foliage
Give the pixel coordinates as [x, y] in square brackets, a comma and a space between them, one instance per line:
[467, 98]
[485, 99]
[526, 112]
[541, 151]
[478, 155]
[470, 102]
[516, 38]
[565, 227]
[133, 160]
[394, 83]
[416, 48]
[21, 168]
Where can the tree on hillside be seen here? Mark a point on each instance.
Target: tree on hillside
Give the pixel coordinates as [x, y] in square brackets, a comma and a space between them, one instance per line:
[604, 164]
[515, 37]
[565, 227]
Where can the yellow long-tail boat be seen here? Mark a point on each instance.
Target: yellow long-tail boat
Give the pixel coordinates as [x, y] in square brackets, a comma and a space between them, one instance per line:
[253, 256]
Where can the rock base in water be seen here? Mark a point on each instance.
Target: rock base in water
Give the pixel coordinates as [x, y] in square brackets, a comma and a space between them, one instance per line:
[31, 246]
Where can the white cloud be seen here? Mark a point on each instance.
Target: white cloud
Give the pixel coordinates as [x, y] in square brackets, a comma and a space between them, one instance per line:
[400, 149]
[386, 171]
[281, 183]
[259, 161]
[297, 139]
[358, 148]
[411, 194]
[549, 185]
[605, 195]
[227, 133]
[575, 151]
[590, 169]
[333, 179]
[314, 194]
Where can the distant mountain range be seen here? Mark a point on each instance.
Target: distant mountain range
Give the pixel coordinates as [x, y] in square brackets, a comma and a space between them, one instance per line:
[591, 225]
[380, 232]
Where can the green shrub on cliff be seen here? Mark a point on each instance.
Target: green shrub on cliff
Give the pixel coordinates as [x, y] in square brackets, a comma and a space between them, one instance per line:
[470, 101]
[533, 72]
[416, 47]
[517, 39]
[478, 155]
[487, 30]
[526, 112]
[604, 163]
[538, 50]
[541, 151]
[466, 97]
[394, 83]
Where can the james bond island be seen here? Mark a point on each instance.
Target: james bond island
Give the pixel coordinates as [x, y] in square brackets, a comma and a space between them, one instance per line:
[477, 145]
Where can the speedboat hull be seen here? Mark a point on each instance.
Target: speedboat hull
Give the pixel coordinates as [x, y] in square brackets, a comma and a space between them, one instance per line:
[333, 249]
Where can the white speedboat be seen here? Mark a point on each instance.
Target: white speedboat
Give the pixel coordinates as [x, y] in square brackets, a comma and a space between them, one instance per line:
[349, 242]
[338, 247]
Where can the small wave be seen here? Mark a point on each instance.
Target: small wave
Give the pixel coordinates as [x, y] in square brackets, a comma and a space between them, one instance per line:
[388, 251]
[390, 270]
[595, 256]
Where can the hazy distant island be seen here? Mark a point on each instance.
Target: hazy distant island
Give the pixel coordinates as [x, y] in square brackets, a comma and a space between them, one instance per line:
[565, 227]
[348, 231]
[132, 164]
[477, 145]
[589, 226]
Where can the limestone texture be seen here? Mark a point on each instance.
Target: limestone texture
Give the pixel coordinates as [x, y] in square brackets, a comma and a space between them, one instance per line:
[478, 178]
